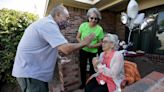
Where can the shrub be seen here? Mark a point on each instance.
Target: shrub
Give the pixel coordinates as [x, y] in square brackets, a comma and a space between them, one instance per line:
[12, 26]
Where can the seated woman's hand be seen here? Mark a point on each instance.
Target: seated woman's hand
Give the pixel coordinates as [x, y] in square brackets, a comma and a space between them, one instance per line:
[95, 62]
[100, 68]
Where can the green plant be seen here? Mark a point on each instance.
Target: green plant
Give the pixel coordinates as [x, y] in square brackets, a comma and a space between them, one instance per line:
[12, 25]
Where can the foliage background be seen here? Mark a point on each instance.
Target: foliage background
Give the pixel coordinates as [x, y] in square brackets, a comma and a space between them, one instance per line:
[12, 25]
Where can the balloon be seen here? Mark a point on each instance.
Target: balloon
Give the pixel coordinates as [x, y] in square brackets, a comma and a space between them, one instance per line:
[148, 21]
[139, 19]
[143, 25]
[132, 9]
[124, 18]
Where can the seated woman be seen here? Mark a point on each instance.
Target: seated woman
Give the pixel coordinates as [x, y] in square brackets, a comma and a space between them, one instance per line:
[109, 67]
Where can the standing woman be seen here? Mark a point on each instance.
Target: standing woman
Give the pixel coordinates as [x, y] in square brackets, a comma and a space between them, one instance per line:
[90, 51]
[109, 67]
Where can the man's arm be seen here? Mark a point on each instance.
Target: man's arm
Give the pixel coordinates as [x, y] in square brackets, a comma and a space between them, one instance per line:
[89, 46]
[70, 47]
[78, 37]
[95, 46]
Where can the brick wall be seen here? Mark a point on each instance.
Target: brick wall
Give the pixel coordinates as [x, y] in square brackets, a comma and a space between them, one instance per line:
[77, 16]
[108, 21]
[111, 23]
[120, 28]
[71, 74]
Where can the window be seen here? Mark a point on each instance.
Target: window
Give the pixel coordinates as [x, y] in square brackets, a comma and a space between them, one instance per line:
[159, 46]
[151, 40]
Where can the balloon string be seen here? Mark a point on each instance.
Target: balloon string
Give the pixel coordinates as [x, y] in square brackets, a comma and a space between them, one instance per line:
[129, 35]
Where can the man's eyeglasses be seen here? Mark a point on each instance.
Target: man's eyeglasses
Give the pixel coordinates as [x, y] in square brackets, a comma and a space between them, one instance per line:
[93, 18]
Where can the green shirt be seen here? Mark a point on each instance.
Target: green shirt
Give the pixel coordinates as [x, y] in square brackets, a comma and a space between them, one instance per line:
[86, 30]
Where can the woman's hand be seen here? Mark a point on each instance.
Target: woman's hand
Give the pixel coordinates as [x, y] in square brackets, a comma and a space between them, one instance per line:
[101, 67]
[95, 62]
[90, 46]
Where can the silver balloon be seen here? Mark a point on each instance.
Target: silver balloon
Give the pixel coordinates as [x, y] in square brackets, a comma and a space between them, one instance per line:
[124, 18]
[139, 19]
[132, 9]
[135, 21]
[148, 21]
[143, 25]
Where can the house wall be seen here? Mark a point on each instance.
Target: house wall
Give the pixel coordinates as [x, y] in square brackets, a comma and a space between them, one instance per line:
[108, 21]
[111, 23]
[120, 28]
[145, 4]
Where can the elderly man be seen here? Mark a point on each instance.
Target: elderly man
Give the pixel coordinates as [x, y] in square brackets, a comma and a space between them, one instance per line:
[38, 49]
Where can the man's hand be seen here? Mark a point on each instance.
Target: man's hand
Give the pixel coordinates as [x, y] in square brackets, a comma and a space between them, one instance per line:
[70, 47]
[89, 38]
[89, 46]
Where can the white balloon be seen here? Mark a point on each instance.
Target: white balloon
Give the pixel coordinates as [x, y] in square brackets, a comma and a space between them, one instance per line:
[124, 18]
[139, 19]
[132, 9]
[148, 21]
[143, 25]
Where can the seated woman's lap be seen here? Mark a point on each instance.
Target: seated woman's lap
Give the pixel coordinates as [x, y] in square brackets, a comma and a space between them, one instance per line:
[93, 86]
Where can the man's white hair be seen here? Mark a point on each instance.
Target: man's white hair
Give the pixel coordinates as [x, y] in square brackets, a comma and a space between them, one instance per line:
[59, 8]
